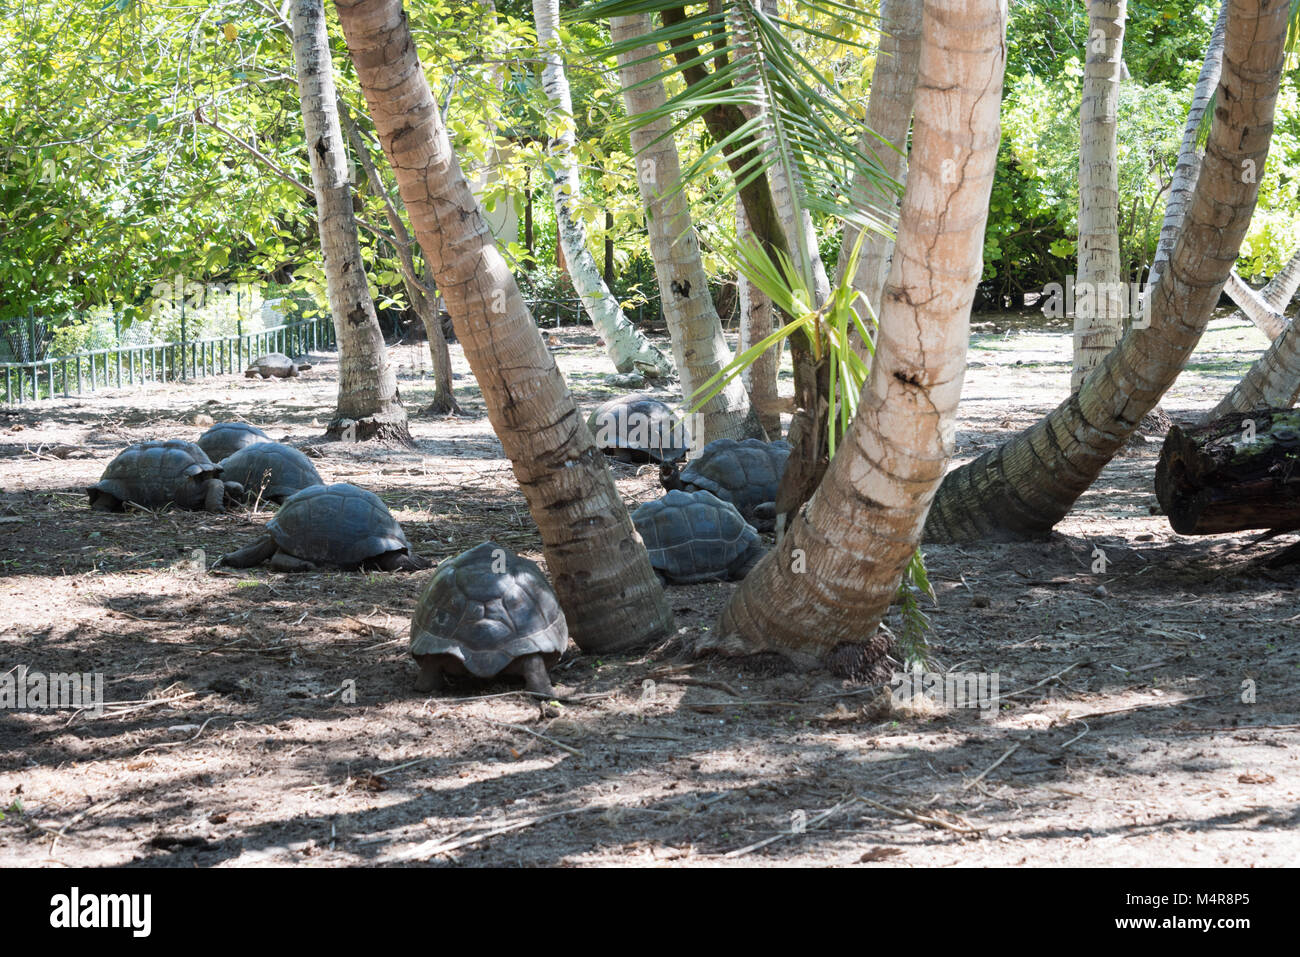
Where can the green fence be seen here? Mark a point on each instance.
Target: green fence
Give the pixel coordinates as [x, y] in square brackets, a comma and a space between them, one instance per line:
[125, 366]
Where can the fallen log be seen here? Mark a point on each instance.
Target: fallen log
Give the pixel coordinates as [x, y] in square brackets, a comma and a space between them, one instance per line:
[1236, 473]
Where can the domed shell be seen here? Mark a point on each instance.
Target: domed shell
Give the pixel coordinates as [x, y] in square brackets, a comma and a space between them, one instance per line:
[745, 473]
[289, 470]
[694, 536]
[273, 363]
[339, 524]
[487, 607]
[639, 424]
[153, 474]
[226, 438]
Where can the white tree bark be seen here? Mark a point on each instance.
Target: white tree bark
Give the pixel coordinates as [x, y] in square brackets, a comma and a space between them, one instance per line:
[628, 349]
[1266, 308]
[699, 348]
[1100, 309]
[368, 403]
[1274, 378]
[889, 116]
[758, 320]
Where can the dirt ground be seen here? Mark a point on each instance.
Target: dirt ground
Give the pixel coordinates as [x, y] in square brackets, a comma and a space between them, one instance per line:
[1150, 714]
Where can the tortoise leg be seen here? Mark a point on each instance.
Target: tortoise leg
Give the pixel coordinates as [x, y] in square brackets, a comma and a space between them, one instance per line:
[536, 678]
[103, 502]
[214, 495]
[745, 564]
[763, 517]
[247, 557]
[430, 674]
[234, 491]
[284, 562]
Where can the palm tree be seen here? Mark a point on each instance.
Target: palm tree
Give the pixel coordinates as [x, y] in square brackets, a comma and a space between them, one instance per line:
[1026, 485]
[699, 348]
[628, 349]
[824, 589]
[1267, 307]
[595, 558]
[889, 118]
[1274, 378]
[368, 403]
[1100, 319]
[757, 322]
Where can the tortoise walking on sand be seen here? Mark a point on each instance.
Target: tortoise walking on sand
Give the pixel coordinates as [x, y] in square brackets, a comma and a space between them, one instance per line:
[277, 365]
[697, 537]
[226, 438]
[488, 612]
[336, 526]
[638, 428]
[154, 474]
[276, 471]
[747, 474]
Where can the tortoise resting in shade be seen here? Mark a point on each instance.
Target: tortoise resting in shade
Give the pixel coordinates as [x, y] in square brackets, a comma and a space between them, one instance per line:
[331, 526]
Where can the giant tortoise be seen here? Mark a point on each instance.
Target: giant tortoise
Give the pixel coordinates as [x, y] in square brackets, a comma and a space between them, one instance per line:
[488, 612]
[275, 365]
[697, 537]
[226, 438]
[272, 470]
[638, 428]
[155, 474]
[745, 473]
[336, 526]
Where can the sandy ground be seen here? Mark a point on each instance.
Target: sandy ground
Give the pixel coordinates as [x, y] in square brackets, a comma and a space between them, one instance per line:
[1149, 715]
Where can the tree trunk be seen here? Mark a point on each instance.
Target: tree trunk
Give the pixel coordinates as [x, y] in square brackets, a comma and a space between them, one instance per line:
[824, 589]
[758, 320]
[889, 117]
[699, 348]
[1101, 306]
[628, 349]
[1189, 155]
[1025, 486]
[595, 558]
[368, 403]
[1234, 474]
[423, 301]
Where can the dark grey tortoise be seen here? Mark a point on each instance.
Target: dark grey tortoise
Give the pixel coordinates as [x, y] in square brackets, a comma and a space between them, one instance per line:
[275, 365]
[697, 537]
[226, 438]
[638, 428]
[272, 470]
[745, 473]
[488, 612]
[155, 474]
[336, 526]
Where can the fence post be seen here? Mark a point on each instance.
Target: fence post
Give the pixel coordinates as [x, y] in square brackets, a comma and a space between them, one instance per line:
[31, 334]
[182, 375]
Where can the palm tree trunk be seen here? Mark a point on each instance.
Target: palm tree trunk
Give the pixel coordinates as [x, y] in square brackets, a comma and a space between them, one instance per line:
[1099, 321]
[597, 563]
[1025, 486]
[422, 299]
[368, 403]
[758, 321]
[628, 349]
[825, 587]
[1267, 307]
[1189, 155]
[699, 348]
[889, 117]
[1273, 380]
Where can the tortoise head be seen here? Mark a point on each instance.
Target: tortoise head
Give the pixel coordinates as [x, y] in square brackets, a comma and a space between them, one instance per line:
[670, 475]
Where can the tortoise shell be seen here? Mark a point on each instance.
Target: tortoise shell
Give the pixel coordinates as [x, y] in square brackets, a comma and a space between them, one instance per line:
[339, 524]
[487, 607]
[283, 468]
[640, 427]
[746, 473]
[696, 537]
[226, 438]
[272, 364]
[154, 474]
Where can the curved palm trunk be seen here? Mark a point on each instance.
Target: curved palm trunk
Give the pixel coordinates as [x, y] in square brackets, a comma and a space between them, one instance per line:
[628, 349]
[1025, 486]
[368, 403]
[889, 117]
[1189, 155]
[596, 560]
[1100, 318]
[832, 576]
[1273, 380]
[699, 348]
[1267, 307]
